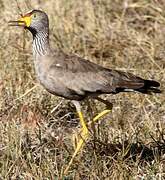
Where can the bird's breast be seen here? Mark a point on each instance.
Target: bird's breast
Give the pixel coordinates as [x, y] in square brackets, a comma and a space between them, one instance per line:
[41, 65]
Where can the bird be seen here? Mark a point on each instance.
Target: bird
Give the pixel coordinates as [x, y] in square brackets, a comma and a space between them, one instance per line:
[75, 78]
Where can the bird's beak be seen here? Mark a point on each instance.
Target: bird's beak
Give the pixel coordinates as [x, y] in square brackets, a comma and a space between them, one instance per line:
[24, 21]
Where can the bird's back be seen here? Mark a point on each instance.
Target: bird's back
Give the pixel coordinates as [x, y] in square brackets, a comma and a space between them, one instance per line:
[73, 77]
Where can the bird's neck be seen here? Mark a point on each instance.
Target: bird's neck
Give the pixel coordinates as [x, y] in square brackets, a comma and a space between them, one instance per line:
[41, 43]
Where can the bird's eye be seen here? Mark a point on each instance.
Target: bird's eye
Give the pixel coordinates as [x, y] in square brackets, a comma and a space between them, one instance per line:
[35, 15]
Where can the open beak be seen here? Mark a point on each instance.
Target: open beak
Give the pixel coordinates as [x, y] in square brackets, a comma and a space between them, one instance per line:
[23, 21]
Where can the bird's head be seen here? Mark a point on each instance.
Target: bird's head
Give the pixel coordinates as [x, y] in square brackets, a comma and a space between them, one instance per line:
[35, 21]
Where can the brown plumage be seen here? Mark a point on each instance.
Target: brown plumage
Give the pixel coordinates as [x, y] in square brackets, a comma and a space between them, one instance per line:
[73, 77]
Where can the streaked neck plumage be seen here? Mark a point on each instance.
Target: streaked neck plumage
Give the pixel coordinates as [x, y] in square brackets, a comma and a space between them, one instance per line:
[40, 42]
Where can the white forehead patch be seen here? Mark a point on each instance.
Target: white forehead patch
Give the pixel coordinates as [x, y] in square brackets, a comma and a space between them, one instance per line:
[29, 12]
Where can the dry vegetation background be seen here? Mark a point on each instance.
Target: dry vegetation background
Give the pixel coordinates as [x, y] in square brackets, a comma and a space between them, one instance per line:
[36, 128]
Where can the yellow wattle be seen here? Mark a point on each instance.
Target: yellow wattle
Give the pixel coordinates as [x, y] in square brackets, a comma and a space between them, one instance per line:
[26, 20]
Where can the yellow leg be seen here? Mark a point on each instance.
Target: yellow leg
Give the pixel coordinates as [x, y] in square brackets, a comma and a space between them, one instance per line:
[109, 107]
[82, 121]
[96, 118]
[83, 137]
[84, 132]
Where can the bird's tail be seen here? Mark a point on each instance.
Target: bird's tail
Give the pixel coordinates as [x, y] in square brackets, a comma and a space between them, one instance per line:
[140, 85]
[149, 87]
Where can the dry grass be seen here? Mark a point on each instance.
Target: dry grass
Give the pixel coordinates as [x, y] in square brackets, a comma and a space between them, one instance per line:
[35, 143]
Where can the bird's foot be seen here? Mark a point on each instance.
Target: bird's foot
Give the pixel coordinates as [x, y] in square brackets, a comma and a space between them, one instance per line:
[84, 132]
[83, 135]
[79, 141]
[100, 115]
[81, 138]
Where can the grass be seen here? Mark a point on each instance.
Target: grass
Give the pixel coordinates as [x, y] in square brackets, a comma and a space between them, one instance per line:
[36, 142]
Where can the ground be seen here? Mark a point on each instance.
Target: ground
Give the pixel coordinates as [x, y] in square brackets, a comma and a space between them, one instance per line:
[36, 128]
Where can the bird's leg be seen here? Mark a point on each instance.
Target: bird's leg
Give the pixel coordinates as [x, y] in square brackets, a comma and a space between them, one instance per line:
[104, 112]
[84, 133]
[82, 121]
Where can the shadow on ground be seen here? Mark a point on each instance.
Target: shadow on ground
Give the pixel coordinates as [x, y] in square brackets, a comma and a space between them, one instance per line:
[131, 151]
